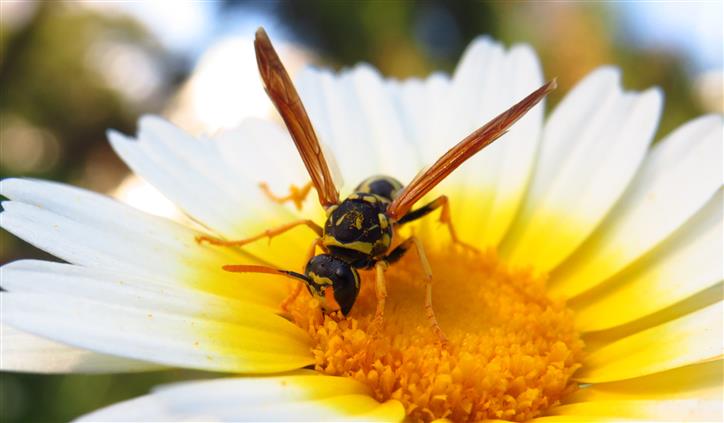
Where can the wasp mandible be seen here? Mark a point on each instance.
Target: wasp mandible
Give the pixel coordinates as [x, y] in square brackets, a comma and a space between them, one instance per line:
[358, 232]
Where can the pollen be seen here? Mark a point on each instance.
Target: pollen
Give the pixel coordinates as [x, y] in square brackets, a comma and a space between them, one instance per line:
[511, 350]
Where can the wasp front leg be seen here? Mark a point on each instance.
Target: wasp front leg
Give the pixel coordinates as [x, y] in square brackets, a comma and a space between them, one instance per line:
[395, 255]
[269, 233]
[440, 202]
[296, 194]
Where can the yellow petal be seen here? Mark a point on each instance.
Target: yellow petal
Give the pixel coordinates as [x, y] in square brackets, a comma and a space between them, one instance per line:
[678, 178]
[703, 381]
[694, 338]
[358, 407]
[596, 340]
[686, 264]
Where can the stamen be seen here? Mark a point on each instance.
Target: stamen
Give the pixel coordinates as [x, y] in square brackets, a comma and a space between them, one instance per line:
[511, 349]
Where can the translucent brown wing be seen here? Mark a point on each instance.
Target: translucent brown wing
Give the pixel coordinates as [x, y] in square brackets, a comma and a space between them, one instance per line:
[481, 138]
[282, 93]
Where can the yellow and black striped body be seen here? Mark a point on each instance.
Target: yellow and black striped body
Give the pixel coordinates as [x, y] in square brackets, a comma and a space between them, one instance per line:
[356, 235]
[357, 230]
[386, 187]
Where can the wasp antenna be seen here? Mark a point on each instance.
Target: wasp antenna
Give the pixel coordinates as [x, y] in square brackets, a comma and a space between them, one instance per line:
[252, 268]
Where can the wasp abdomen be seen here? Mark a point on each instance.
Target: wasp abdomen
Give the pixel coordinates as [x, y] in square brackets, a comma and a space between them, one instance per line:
[386, 187]
[358, 225]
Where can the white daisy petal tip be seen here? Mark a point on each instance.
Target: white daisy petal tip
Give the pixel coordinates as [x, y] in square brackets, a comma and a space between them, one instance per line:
[479, 43]
[115, 138]
[150, 120]
[23, 352]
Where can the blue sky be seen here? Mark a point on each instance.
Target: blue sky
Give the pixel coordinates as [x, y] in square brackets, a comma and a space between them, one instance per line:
[694, 28]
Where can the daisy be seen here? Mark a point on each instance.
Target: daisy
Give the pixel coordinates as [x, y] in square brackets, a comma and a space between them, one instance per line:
[596, 295]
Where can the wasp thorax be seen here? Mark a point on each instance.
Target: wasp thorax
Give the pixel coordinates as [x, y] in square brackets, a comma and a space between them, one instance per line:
[358, 228]
[325, 272]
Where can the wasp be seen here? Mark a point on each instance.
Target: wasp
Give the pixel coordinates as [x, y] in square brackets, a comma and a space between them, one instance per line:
[359, 231]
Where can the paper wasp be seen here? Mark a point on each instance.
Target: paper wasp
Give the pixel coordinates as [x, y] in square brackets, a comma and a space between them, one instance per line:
[359, 231]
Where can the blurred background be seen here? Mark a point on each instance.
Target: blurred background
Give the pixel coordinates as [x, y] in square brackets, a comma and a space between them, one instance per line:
[70, 70]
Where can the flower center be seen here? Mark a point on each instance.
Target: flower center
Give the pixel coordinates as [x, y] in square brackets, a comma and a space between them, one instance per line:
[511, 352]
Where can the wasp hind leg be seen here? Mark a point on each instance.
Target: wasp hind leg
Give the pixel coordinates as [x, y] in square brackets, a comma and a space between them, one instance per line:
[381, 288]
[296, 194]
[444, 203]
[269, 233]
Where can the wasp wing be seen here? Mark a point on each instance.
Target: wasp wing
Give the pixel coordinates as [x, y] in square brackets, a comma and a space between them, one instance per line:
[481, 138]
[282, 93]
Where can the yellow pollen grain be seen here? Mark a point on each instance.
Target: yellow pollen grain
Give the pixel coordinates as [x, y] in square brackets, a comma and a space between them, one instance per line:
[511, 350]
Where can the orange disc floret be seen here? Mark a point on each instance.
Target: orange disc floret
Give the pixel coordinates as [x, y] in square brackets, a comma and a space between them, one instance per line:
[511, 351]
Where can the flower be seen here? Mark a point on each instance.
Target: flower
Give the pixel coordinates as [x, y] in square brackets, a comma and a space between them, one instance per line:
[597, 294]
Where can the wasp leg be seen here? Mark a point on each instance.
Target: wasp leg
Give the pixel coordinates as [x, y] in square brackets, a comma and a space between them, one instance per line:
[380, 292]
[439, 202]
[296, 194]
[299, 284]
[269, 233]
[397, 254]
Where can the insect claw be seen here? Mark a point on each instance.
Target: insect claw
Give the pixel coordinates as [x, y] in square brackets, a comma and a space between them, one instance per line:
[375, 327]
[296, 195]
[337, 316]
[467, 247]
[444, 341]
[201, 239]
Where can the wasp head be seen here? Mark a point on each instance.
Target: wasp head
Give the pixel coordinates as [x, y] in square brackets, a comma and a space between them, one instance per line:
[334, 282]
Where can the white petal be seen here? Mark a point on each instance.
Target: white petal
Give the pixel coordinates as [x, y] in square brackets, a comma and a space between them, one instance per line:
[684, 265]
[303, 396]
[472, 96]
[255, 344]
[192, 185]
[679, 177]
[592, 145]
[353, 114]
[23, 352]
[495, 181]
[94, 231]
[204, 177]
[262, 151]
[86, 206]
[421, 104]
[41, 277]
